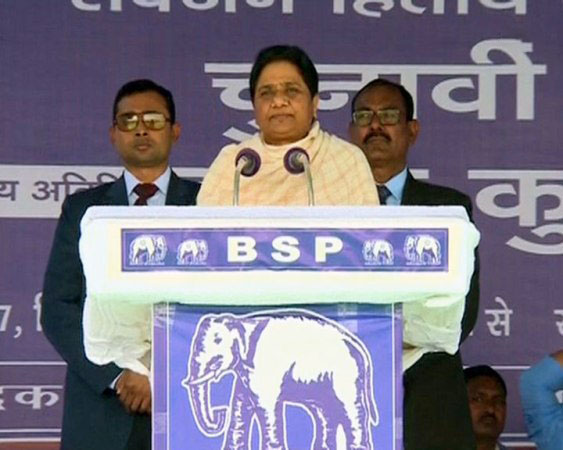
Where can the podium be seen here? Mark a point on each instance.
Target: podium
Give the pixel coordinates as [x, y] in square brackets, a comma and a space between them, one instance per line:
[274, 327]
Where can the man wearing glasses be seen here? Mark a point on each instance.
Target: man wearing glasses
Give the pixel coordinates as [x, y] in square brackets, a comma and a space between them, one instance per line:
[107, 407]
[436, 411]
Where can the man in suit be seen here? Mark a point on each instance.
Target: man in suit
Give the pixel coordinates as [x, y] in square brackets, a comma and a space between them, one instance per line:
[436, 412]
[107, 407]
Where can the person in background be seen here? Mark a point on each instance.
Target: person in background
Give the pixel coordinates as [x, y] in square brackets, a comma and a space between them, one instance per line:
[487, 402]
[543, 411]
[107, 407]
[384, 127]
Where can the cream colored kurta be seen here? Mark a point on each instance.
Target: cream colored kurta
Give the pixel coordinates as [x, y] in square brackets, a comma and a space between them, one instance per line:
[341, 174]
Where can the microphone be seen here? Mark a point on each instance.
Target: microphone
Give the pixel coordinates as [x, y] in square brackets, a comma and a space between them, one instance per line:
[247, 163]
[296, 161]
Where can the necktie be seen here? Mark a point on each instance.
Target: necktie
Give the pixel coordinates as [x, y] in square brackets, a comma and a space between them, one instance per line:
[383, 193]
[144, 191]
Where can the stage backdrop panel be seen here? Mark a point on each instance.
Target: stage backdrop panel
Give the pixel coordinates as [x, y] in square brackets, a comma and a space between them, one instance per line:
[485, 74]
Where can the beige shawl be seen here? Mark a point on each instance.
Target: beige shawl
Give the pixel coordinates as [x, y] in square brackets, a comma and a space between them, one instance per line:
[340, 171]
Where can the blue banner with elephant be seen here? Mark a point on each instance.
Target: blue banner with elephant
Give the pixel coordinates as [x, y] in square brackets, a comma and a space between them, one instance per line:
[289, 378]
[393, 249]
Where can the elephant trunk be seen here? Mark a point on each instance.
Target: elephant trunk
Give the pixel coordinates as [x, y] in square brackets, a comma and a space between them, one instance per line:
[210, 420]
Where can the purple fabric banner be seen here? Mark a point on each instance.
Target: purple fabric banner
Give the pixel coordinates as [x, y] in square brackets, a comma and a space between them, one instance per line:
[290, 249]
[302, 378]
[485, 75]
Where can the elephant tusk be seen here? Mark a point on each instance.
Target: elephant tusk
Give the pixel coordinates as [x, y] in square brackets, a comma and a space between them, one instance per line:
[200, 380]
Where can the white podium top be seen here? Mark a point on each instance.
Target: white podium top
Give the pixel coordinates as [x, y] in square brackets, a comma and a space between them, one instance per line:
[421, 256]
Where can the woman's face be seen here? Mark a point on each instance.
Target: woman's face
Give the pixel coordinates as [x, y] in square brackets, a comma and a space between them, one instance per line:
[283, 105]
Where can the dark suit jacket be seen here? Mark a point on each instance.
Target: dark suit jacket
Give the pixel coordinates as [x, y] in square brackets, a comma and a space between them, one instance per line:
[436, 410]
[93, 417]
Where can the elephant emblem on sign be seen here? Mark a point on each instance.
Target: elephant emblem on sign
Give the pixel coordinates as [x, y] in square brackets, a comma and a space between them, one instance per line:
[192, 252]
[147, 249]
[423, 250]
[277, 358]
[378, 252]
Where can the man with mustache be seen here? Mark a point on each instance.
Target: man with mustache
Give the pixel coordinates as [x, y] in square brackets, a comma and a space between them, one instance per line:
[107, 407]
[436, 411]
[487, 402]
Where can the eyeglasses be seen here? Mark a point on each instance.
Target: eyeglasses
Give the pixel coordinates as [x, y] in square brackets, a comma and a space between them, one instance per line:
[151, 120]
[364, 117]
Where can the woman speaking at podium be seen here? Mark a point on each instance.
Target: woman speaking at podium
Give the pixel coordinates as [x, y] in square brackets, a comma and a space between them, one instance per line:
[291, 161]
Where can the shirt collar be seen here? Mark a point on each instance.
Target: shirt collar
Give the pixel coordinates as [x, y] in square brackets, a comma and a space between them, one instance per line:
[396, 185]
[161, 182]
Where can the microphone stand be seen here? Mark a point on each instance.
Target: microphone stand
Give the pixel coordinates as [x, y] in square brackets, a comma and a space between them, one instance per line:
[247, 163]
[296, 161]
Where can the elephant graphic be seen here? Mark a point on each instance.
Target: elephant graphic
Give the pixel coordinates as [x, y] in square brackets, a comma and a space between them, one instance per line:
[278, 358]
[423, 250]
[147, 249]
[192, 252]
[378, 252]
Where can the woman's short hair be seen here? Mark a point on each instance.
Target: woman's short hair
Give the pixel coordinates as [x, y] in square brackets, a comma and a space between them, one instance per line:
[291, 54]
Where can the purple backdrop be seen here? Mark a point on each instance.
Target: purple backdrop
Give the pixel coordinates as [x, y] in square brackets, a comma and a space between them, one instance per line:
[487, 77]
